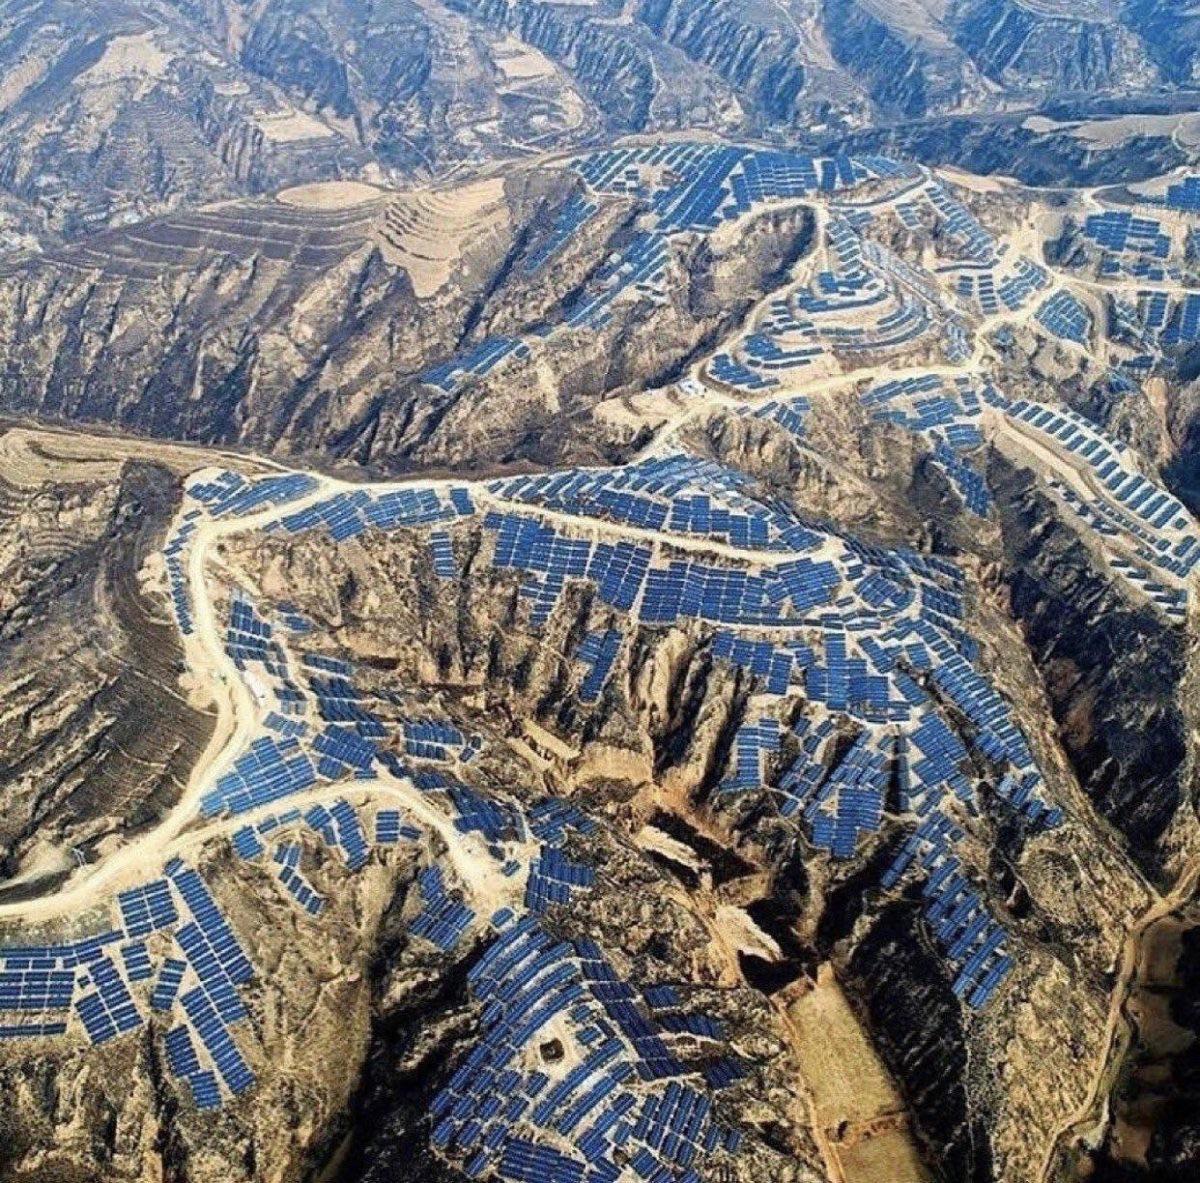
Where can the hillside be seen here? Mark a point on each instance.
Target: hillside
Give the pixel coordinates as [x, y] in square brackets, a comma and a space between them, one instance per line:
[653, 612]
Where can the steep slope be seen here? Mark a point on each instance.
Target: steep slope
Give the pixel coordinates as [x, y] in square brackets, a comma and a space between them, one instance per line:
[1053, 48]
[98, 737]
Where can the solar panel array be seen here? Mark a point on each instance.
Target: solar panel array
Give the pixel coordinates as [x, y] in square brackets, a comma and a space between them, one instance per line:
[869, 301]
[672, 493]
[616, 1097]
[337, 824]
[495, 819]
[441, 549]
[108, 1009]
[287, 857]
[248, 638]
[996, 735]
[552, 878]
[1185, 194]
[1008, 282]
[753, 746]
[783, 341]
[552, 818]
[1120, 231]
[293, 755]
[431, 739]
[849, 802]
[946, 413]
[1153, 524]
[682, 589]
[1157, 320]
[210, 946]
[967, 482]
[1066, 317]
[230, 494]
[39, 985]
[391, 827]
[185, 1063]
[573, 214]
[960, 224]
[112, 998]
[972, 942]
[220, 967]
[931, 769]
[684, 188]
[175, 555]
[166, 988]
[479, 361]
[697, 187]
[444, 918]
[136, 957]
[597, 651]
[347, 515]
[1027, 279]
[790, 414]
[147, 908]
[351, 839]
[217, 1041]
[36, 989]
[873, 641]
[724, 368]
[801, 779]
[639, 269]
[904, 612]
[269, 771]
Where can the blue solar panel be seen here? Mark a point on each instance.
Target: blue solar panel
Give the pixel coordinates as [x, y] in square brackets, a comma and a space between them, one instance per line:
[108, 1010]
[442, 552]
[32, 1030]
[137, 962]
[552, 878]
[350, 836]
[36, 989]
[552, 818]
[477, 362]
[597, 652]
[390, 828]
[270, 770]
[444, 918]
[229, 494]
[572, 215]
[215, 1037]
[167, 987]
[287, 860]
[526, 980]
[147, 909]
[1066, 317]
[214, 932]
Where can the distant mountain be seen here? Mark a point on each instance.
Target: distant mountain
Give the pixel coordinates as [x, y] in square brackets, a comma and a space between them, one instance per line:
[112, 113]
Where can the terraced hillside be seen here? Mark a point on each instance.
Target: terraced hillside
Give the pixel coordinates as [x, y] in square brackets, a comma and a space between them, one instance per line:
[99, 736]
[766, 754]
[386, 323]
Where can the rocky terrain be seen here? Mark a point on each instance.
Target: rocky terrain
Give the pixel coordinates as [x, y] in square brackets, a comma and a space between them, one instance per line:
[748, 583]
[596, 593]
[99, 735]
